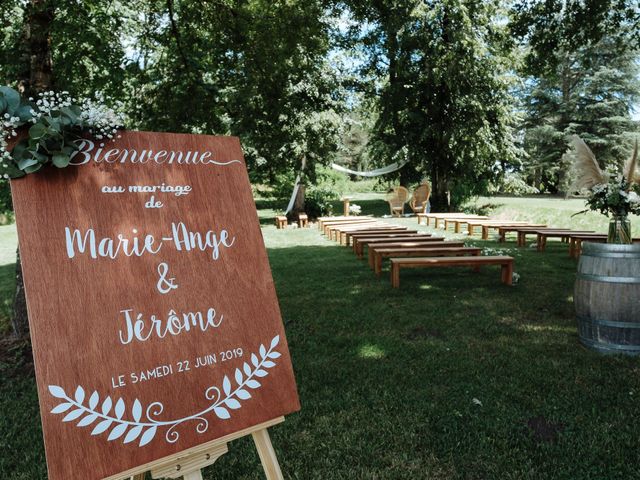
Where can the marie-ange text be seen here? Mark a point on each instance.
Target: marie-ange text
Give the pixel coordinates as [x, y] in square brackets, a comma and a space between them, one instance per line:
[86, 242]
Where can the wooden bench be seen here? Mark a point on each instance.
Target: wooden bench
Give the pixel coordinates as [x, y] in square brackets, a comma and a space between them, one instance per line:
[486, 224]
[338, 219]
[328, 226]
[458, 221]
[382, 253]
[524, 231]
[281, 221]
[360, 243]
[563, 235]
[338, 233]
[575, 241]
[506, 264]
[503, 230]
[428, 216]
[334, 232]
[439, 243]
[346, 236]
[388, 234]
[303, 220]
[436, 217]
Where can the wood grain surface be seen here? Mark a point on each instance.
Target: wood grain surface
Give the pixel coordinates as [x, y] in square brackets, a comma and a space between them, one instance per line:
[80, 307]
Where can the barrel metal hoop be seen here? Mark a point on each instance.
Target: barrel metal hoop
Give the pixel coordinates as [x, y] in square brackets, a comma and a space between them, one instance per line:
[609, 346]
[611, 255]
[608, 279]
[608, 323]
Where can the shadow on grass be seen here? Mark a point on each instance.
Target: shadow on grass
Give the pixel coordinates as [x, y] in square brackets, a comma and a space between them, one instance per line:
[384, 372]
[440, 379]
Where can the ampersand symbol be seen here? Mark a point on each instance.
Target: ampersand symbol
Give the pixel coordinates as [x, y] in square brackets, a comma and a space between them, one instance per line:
[165, 285]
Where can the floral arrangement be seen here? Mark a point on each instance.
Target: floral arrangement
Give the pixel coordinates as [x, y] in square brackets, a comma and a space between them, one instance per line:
[611, 191]
[56, 121]
[616, 197]
[355, 209]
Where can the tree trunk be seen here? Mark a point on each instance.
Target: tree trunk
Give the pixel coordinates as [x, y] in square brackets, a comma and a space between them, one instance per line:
[20, 321]
[37, 39]
[298, 203]
[440, 199]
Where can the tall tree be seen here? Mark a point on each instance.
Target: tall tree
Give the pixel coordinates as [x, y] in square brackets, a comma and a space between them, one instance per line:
[444, 94]
[36, 77]
[580, 74]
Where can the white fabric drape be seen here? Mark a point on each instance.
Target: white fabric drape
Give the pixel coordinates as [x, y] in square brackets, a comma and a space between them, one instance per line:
[372, 173]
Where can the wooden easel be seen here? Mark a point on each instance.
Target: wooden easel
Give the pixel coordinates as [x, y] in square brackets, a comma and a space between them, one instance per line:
[189, 463]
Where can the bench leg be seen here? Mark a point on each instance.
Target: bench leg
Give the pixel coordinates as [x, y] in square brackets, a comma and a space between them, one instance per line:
[470, 230]
[360, 250]
[485, 233]
[543, 244]
[507, 273]
[572, 248]
[378, 263]
[456, 228]
[371, 254]
[395, 275]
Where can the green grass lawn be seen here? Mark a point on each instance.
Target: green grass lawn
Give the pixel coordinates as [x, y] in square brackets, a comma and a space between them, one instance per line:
[8, 244]
[453, 376]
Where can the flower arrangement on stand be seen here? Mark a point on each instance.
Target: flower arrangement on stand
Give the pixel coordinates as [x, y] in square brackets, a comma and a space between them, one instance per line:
[355, 209]
[56, 122]
[612, 192]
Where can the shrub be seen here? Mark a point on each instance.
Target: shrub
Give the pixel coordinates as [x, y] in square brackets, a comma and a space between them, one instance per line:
[514, 184]
[319, 201]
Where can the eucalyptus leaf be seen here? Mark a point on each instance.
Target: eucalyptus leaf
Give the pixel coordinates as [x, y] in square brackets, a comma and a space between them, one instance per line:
[26, 163]
[70, 113]
[37, 131]
[11, 97]
[60, 160]
[24, 113]
[19, 151]
[33, 168]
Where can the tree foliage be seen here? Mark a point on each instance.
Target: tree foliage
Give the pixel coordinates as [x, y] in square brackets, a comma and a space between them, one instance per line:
[442, 92]
[580, 73]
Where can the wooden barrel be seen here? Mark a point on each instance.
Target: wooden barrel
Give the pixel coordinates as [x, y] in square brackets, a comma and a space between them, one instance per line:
[607, 297]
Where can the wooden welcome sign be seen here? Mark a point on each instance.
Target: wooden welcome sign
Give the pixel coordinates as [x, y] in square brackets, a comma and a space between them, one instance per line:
[153, 314]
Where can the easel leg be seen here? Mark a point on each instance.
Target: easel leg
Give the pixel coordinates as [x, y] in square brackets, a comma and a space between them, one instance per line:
[267, 455]
[197, 475]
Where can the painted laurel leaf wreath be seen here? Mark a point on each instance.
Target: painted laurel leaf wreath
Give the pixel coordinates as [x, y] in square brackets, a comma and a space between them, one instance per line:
[110, 415]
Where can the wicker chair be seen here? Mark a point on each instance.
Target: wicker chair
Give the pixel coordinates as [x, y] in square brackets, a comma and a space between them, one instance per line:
[397, 198]
[420, 198]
